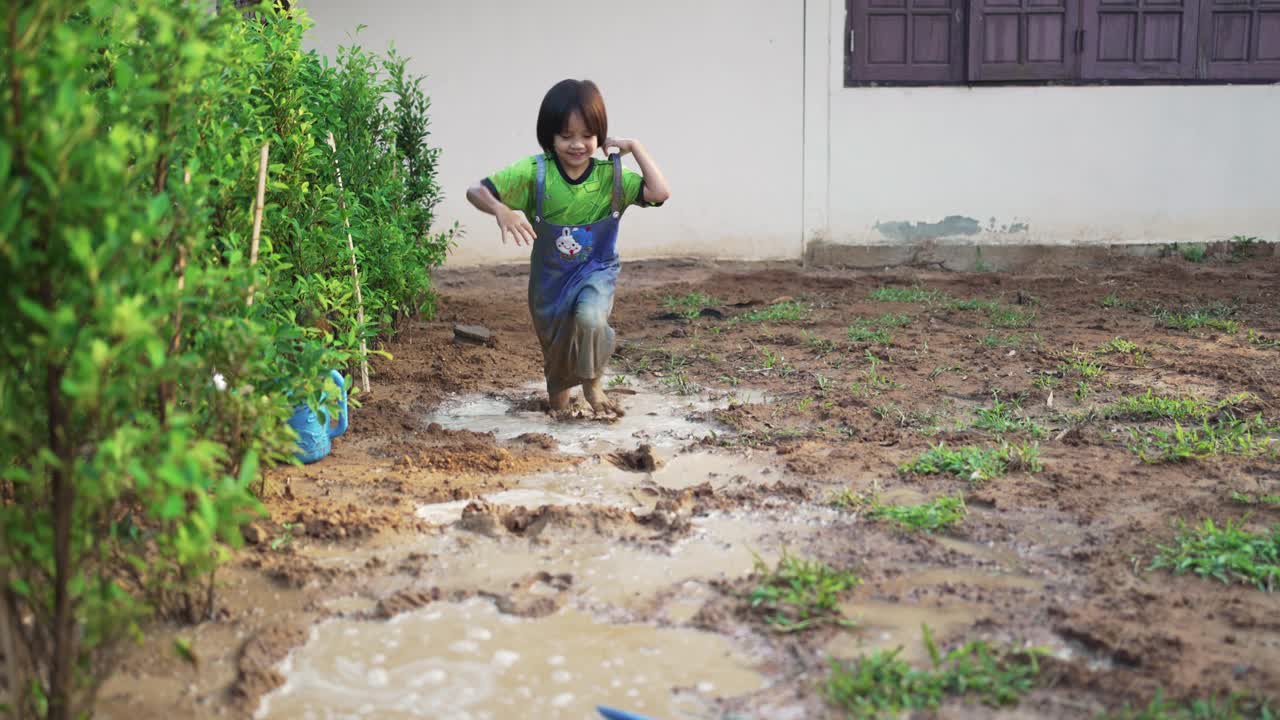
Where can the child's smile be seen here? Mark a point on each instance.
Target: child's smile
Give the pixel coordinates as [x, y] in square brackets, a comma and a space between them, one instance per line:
[574, 146]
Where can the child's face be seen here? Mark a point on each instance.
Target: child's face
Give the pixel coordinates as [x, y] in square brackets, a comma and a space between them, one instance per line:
[575, 144]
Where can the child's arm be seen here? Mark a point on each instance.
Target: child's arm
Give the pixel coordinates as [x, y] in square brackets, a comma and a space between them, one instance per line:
[509, 220]
[655, 185]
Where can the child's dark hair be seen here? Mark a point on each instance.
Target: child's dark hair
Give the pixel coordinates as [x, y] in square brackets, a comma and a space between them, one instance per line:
[561, 101]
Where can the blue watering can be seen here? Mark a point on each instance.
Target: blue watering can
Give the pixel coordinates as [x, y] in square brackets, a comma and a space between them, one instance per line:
[612, 714]
[313, 437]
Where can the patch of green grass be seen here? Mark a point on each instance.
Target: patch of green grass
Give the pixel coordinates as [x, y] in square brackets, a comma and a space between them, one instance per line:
[1010, 317]
[975, 304]
[680, 384]
[1119, 346]
[1258, 340]
[937, 371]
[1150, 406]
[1225, 436]
[1232, 707]
[864, 333]
[1111, 300]
[1247, 499]
[786, 311]
[976, 464]
[799, 594]
[1216, 316]
[929, 517]
[824, 383]
[773, 361]
[873, 380]
[1087, 369]
[1002, 418]
[882, 685]
[285, 537]
[618, 381]
[914, 294]
[689, 305]
[819, 345]
[845, 499]
[1228, 553]
[1046, 381]
[877, 329]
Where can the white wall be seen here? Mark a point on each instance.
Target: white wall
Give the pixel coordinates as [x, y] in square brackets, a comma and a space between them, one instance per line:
[712, 87]
[742, 103]
[1074, 164]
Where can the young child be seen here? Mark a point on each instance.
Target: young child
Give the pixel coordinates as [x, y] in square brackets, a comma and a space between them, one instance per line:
[576, 202]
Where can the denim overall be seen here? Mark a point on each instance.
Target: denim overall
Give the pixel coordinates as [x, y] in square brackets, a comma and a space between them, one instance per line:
[572, 273]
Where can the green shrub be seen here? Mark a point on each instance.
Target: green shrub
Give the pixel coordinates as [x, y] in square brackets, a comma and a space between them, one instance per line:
[129, 141]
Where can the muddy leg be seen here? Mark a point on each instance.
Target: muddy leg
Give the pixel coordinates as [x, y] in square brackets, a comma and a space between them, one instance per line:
[594, 346]
[593, 391]
[560, 404]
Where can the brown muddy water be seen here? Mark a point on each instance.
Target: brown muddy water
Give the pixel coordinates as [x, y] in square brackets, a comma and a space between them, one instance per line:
[479, 622]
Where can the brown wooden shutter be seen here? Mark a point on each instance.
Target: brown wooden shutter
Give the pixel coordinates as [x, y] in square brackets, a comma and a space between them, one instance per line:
[1012, 40]
[1240, 39]
[1139, 39]
[904, 42]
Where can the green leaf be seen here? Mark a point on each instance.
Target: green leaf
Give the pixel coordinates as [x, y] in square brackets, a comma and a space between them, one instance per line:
[249, 469]
[172, 507]
[182, 646]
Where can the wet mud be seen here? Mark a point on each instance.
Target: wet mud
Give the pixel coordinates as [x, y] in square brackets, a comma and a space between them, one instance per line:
[463, 555]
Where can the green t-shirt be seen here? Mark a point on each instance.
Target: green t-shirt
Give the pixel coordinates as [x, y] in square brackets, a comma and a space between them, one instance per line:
[567, 202]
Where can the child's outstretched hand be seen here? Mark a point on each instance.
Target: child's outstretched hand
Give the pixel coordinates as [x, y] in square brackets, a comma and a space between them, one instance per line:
[514, 222]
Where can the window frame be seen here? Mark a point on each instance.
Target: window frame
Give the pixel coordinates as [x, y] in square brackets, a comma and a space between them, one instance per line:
[1082, 36]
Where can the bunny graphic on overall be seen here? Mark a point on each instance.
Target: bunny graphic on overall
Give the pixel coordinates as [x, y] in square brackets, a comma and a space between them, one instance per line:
[566, 245]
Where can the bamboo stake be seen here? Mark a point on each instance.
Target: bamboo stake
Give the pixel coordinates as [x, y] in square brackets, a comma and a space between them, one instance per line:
[257, 213]
[355, 270]
[182, 281]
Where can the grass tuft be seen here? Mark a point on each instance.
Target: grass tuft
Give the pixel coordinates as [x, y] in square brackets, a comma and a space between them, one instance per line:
[1248, 499]
[914, 294]
[882, 685]
[1150, 406]
[788, 310]
[976, 464]
[1216, 316]
[799, 594]
[1010, 317]
[1228, 553]
[877, 329]
[1225, 436]
[1262, 341]
[929, 517]
[1001, 418]
[689, 305]
[1232, 707]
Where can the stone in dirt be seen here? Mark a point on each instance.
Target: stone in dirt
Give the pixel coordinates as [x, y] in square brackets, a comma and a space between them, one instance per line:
[472, 333]
[253, 534]
[642, 459]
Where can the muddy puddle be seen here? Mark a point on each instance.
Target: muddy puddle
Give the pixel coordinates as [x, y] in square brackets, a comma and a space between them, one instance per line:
[658, 419]
[468, 661]
[589, 603]
[599, 481]
[627, 577]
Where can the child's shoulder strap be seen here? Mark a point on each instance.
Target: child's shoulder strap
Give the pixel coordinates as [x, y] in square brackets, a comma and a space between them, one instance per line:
[540, 185]
[618, 196]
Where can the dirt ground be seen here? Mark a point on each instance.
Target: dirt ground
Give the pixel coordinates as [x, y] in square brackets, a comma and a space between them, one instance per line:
[1082, 531]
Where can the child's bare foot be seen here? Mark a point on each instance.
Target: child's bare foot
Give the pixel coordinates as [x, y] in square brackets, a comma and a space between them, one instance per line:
[593, 392]
[560, 405]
